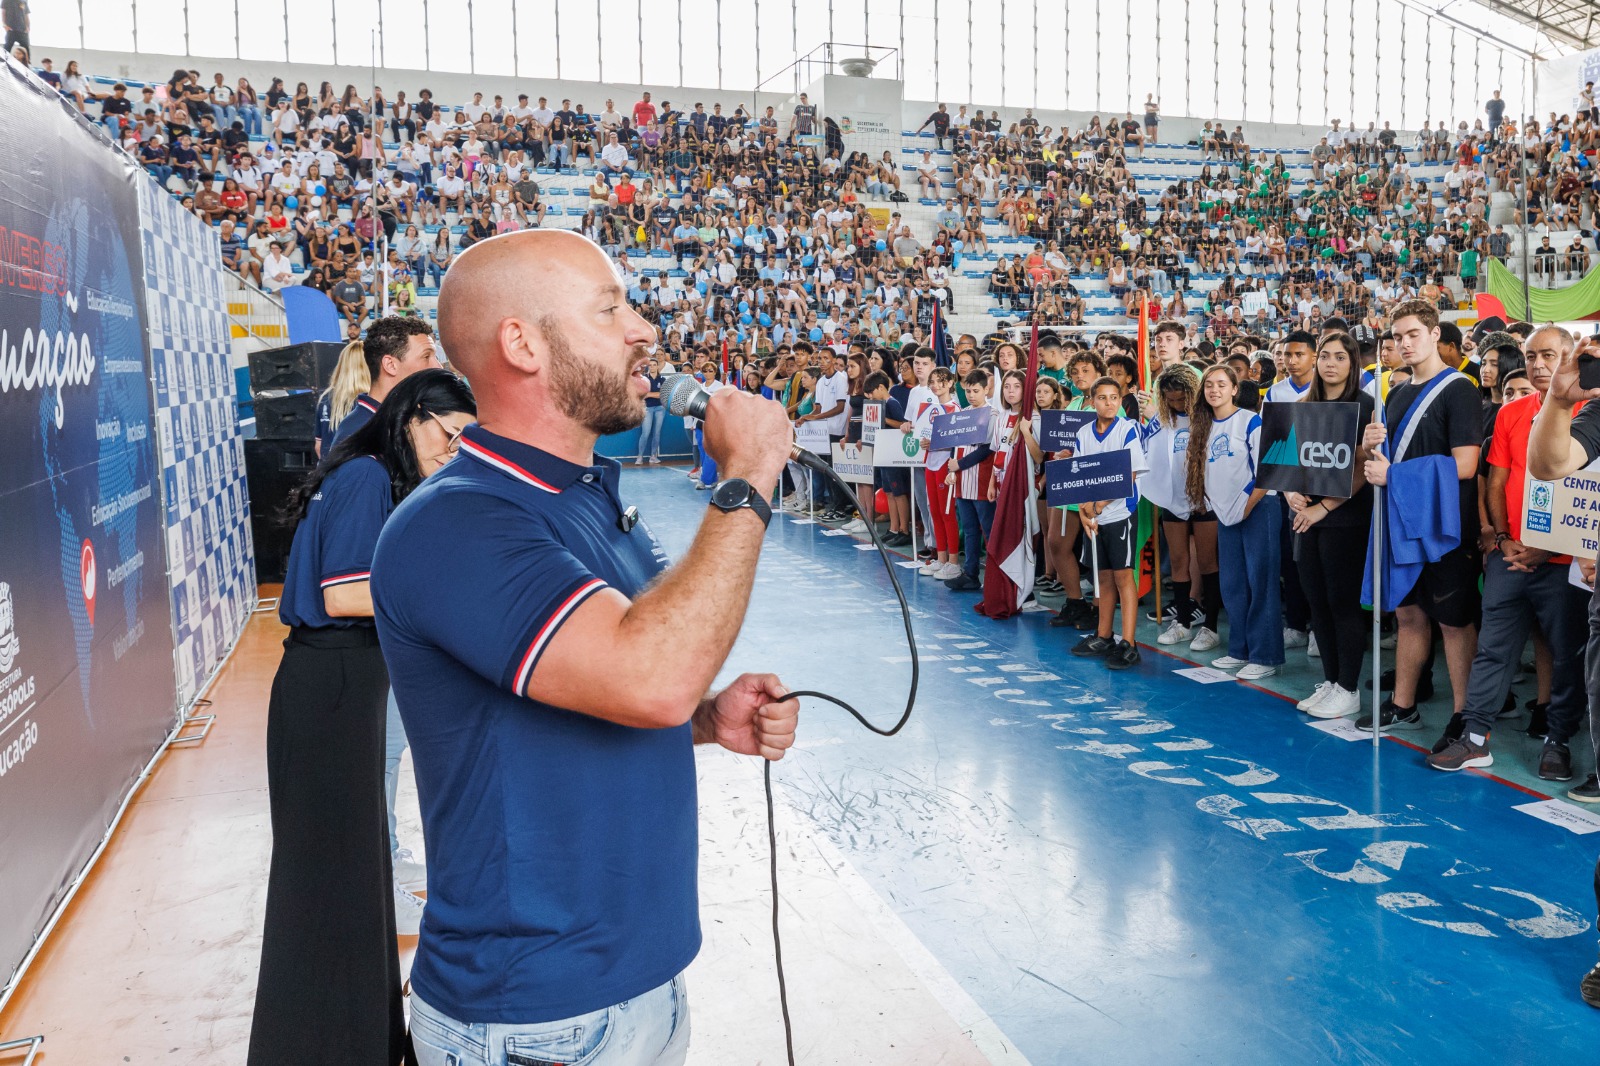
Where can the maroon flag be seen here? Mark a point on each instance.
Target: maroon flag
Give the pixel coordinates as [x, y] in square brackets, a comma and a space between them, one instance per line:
[1008, 571]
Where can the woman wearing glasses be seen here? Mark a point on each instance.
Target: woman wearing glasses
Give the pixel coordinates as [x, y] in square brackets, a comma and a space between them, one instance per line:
[329, 987]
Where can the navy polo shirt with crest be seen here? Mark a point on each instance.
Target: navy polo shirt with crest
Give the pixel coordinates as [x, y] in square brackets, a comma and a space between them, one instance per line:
[561, 847]
[365, 407]
[334, 542]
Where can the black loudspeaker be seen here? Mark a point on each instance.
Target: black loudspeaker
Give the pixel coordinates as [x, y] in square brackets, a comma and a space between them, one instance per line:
[295, 366]
[272, 469]
[286, 416]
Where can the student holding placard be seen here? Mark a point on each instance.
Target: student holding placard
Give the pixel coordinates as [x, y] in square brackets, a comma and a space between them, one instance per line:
[969, 476]
[1059, 560]
[946, 526]
[1224, 448]
[893, 480]
[1334, 534]
[1062, 528]
[1110, 540]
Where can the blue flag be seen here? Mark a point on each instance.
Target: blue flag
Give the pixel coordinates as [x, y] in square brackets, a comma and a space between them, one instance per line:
[942, 355]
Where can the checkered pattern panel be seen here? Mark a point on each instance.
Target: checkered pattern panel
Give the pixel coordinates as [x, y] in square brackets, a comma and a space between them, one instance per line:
[210, 555]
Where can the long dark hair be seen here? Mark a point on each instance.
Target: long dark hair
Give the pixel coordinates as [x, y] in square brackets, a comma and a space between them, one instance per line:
[1201, 417]
[1352, 384]
[387, 436]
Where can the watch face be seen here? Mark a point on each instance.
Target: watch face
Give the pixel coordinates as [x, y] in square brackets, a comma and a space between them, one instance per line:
[730, 494]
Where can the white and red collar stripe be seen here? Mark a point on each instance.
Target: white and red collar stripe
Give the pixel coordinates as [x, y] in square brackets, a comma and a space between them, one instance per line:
[501, 463]
[368, 403]
[345, 579]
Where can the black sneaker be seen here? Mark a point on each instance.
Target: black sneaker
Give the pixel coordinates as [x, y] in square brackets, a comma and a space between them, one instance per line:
[1424, 685]
[1588, 792]
[1122, 656]
[1075, 614]
[1555, 762]
[1169, 612]
[1092, 647]
[963, 583]
[1452, 732]
[1508, 709]
[1589, 987]
[1538, 719]
[1392, 718]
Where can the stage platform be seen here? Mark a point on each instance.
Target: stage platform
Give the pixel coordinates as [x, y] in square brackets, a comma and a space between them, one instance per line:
[1051, 864]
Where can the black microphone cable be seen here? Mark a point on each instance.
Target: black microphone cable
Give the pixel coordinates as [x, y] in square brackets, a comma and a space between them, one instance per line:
[815, 463]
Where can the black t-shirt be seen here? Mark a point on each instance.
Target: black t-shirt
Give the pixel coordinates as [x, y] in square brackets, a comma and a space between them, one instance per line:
[1453, 420]
[113, 105]
[1586, 431]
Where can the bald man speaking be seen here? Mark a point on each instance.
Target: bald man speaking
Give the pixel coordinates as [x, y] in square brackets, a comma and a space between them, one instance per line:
[535, 640]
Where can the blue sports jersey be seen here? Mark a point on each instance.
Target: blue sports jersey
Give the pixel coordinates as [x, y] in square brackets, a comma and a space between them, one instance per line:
[1232, 452]
[1121, 435]
[359, 416]
[561, 847]
[334, 542]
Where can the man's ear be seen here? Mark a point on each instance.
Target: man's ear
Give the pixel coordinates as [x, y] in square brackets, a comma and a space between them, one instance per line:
[523, 344]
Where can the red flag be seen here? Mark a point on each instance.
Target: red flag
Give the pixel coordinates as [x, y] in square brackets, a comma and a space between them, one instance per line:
[724, 360]
[1008, 572]
[1144, 340]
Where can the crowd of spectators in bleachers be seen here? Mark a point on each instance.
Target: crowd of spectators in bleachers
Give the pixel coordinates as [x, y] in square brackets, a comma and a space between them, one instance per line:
[754, 228]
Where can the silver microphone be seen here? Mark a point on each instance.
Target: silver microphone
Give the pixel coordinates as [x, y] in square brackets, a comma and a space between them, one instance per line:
[682, 395]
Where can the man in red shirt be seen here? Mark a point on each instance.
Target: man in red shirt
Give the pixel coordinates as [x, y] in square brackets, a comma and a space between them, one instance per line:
[1522, 585]
[644, 113]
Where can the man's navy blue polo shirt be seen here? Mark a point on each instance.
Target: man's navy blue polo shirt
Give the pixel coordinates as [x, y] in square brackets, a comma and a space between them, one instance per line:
[334, 542]
[359, 416]
[561, 847]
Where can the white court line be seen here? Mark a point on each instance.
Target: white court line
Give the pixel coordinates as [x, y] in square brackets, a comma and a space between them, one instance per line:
[946, 991]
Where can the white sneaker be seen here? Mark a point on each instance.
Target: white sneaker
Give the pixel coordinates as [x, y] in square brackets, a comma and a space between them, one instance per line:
[1312, 651]
[1228, 662]
[1204, 639]
[407, 912]
[1255, 672]
[855, 526]
[951, 570]
[408, 872]
[638, 462]
[933, 569]
[1175, 633]
[1338, 703]
[1318, 694]
[1294, 638]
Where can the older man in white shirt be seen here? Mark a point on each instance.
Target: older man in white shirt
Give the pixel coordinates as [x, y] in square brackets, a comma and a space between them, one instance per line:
[613, 157]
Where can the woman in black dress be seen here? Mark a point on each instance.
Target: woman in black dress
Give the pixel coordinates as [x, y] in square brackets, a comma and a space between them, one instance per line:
[329, 986]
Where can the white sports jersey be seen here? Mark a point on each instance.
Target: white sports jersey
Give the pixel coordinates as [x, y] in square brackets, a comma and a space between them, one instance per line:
[1286, 391]
[1231, 456]
[1123, 435]
[1166, 450]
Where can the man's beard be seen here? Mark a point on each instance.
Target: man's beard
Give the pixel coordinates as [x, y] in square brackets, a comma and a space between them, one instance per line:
[592, 394]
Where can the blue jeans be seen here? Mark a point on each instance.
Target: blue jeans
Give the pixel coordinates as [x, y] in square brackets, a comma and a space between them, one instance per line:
[560, 154]
[975, 516]
[1247, 556]
[708, 465]
[650, 432]
[394, 746]
[652, 1030]
[252, 119]
[225, 115]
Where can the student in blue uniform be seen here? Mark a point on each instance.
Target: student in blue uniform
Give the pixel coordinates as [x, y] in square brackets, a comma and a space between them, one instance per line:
[1224, 447]
[395, 348]
[1109, 529]
[329, 986]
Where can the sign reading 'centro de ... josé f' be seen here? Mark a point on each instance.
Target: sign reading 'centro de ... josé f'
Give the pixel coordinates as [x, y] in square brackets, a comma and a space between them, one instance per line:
[1563, 516]
[1309, 448]
[1088, 478]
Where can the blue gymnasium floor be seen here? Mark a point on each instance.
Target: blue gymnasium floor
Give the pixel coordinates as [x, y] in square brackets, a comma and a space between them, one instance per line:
[1138, 868]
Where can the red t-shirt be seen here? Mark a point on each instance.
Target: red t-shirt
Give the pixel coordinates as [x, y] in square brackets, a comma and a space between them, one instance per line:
[644, 114]
[626, 192]
[1508, 449]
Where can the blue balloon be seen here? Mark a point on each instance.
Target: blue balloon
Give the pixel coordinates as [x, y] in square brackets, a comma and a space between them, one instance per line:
[805, 242]
[807, 260]
[765, 319]
[883, 246]
[744, 319]
[701, 286]
[744, 305]
[815, 334]
[957, 245]
[321, 190]
[290, 201]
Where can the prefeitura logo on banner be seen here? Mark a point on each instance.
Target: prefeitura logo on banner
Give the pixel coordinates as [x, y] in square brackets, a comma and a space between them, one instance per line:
[10, 647]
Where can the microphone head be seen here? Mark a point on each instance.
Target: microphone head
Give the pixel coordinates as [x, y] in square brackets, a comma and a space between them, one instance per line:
[682, 395]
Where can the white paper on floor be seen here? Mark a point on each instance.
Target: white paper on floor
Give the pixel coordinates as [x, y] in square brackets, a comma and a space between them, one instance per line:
[1206, 675]
[1558, 812]
[1343, 728]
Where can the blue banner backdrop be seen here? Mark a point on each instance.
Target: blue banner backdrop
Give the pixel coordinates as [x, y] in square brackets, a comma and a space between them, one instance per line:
[87, 693]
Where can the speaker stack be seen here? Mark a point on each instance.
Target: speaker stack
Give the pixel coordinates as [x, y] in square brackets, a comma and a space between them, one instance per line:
[286, 383]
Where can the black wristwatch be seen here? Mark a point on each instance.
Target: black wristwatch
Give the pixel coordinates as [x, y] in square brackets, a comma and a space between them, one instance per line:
[735, 493]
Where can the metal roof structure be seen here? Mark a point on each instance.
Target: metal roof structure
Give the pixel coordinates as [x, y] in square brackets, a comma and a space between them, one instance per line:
[1569, 25]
